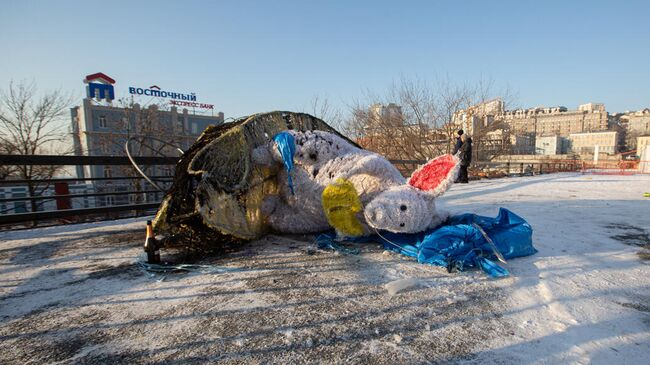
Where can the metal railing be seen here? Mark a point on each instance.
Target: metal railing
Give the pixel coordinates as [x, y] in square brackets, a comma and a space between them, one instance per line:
[119, 186]
[505, 168]
[524, 167]
[65, 212]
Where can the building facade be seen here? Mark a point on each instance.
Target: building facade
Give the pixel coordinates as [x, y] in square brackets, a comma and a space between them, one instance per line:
[642, 143]
[522, 144]
[635, 124]
[551, 145]
[639, 121]
[385, 115]
[547, 128]
[103, 130]
[24, 206]
[541, 121]
[585, 143]
[473, 119]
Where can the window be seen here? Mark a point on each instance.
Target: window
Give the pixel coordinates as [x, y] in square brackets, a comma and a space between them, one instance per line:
[20, 206]
[108, 172]
[110, 200]
[167, 171]
[102, 121]
[195, 128]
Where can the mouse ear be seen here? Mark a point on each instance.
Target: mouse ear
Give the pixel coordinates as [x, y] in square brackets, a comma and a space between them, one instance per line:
[436, 176]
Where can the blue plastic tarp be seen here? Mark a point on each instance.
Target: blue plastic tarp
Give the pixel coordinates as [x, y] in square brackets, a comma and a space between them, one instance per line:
[459, 244]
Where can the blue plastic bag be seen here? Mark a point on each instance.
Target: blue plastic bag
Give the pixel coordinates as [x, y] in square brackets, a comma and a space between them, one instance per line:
[287, 148]
[459, 244]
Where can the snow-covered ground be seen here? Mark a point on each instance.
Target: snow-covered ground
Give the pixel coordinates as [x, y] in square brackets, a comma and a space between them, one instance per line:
[584, 298]
[72, 294]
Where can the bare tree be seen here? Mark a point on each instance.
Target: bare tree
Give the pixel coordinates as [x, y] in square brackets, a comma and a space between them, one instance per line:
[30, 124]
[6, 171]
[491, 133]
[412, 121]
[321, 108]
[416, 121]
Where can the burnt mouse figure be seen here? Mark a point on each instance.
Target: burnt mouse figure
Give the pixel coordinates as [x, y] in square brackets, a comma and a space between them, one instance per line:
[388, 201]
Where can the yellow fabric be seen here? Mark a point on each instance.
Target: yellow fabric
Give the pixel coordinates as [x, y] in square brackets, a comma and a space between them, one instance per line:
[341, 203]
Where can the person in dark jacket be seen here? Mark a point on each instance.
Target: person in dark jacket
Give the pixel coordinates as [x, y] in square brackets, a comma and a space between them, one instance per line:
[465, 158]
[459, 143]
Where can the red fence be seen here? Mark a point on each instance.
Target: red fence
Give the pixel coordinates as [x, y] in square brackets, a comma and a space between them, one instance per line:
[623, 167]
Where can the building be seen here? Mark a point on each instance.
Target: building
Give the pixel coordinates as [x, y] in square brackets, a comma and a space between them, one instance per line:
[502, 142]
[591, 117]
[592, 107]
[548, 122]
[642, 143]
[635, 124]
[522, 144]
[390, 110]
[24, 206]
[638, 122]
[481, 115]
[385, 115]
[551, 145]
[586, 143]
[386, 131]
[102, 130]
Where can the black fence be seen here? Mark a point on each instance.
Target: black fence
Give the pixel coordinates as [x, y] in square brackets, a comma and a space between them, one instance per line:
[100, 209]
[103, 190]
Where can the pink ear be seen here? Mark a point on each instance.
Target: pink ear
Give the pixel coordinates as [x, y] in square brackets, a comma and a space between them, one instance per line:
[436, 176]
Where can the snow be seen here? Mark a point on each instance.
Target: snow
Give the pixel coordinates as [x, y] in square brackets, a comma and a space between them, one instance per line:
[573, 302]
[72, 294]
[401, 285]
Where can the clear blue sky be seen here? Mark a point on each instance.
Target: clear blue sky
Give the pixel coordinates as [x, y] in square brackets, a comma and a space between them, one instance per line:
[252, 56]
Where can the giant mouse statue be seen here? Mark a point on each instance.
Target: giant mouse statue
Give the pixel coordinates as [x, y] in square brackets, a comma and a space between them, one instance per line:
[321, 159]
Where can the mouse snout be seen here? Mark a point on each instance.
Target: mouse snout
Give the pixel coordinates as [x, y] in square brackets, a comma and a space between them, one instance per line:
[373, 214]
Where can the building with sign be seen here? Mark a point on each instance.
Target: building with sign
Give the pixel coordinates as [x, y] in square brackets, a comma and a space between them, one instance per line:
[100, 87]
[100, 128]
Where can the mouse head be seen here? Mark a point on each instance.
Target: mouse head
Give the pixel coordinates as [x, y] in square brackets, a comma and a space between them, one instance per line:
[410, 208]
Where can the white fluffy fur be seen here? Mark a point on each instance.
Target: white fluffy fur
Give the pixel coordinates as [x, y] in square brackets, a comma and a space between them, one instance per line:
[320, 159]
